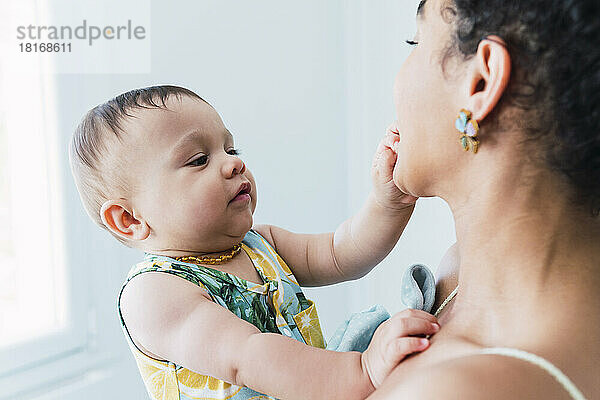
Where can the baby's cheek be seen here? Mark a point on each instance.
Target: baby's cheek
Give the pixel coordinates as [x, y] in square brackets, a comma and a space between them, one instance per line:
[199, 213]
[196, 222]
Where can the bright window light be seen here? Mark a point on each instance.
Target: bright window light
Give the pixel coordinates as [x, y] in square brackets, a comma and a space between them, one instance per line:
[32, 275]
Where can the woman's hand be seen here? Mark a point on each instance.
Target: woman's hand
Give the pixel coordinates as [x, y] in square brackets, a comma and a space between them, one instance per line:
[386, 192]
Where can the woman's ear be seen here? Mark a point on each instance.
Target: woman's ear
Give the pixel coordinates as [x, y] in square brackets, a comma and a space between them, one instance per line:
[119, 219]
[489, 77]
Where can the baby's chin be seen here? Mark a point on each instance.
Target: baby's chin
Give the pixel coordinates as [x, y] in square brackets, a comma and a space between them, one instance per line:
[241, 226]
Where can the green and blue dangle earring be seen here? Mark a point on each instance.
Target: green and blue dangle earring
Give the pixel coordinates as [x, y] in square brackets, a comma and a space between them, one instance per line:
[468, 128]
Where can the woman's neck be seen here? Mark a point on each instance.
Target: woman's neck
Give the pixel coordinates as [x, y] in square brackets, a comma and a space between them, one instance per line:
[523, 251]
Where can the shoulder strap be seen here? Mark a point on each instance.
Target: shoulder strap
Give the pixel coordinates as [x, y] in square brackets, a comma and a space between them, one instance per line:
[206, 278]
[274, 267]
[540, 362]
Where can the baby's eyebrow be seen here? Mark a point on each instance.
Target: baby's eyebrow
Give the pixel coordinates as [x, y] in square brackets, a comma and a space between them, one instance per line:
[192, 138]
[182, 144]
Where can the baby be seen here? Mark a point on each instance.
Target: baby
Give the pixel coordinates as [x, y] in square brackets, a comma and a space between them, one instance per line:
[158, 169]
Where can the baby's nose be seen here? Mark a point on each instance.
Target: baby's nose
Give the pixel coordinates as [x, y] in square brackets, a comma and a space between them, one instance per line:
[234, 166]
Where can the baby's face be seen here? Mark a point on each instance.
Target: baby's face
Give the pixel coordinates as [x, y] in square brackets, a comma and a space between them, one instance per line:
[187, 182]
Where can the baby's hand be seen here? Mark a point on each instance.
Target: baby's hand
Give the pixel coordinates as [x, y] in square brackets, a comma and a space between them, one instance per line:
[392, 342]
[386, 191]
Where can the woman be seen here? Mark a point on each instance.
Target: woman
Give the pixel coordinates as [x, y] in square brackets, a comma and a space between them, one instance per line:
[525, 195]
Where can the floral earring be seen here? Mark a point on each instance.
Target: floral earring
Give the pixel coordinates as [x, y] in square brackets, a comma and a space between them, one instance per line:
[468, 128]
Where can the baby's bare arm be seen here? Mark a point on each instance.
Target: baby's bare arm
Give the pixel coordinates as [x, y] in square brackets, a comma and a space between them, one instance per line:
[359, 243]
[350, 252]
[177, 321]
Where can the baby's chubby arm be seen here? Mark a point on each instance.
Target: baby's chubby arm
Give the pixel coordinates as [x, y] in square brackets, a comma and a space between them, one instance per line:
[184, 326]
[360, 242]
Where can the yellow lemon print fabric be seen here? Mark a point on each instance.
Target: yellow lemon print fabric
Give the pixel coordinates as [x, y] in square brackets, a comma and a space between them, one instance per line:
[276, 306]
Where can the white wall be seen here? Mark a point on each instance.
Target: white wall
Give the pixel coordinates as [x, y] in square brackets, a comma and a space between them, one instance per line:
[306, 89]
[375, 48]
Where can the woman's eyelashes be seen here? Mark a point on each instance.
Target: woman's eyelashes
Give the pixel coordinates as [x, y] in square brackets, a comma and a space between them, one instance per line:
[412, 42]
[202, 159]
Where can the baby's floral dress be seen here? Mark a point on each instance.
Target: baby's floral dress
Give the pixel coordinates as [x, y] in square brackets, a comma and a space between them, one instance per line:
[292, 315]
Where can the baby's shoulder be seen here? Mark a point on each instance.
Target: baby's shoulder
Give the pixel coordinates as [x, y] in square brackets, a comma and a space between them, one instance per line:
[149, 289]
[157, 298]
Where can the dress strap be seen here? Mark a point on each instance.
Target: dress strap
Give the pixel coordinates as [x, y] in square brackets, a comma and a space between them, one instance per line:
[446, 301]
[540, 362]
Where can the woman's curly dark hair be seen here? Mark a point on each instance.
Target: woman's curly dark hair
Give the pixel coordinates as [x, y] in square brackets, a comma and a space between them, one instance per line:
[555, 52]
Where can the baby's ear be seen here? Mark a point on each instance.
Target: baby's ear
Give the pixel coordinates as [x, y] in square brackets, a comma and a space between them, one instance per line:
[118, 217]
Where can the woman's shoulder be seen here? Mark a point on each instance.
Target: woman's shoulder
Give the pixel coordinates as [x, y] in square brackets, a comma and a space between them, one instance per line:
[474, 376]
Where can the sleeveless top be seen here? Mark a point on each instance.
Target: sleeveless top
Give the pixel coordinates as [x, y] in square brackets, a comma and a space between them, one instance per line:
[292, 315]
[546, 365]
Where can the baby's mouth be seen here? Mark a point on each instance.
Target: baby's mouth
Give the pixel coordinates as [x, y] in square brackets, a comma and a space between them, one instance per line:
[243, 193]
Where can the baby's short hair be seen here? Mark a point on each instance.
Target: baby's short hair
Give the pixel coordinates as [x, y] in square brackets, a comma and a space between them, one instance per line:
[97, 175]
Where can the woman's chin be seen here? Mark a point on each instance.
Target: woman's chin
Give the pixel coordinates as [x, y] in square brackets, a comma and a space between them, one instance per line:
[399, 179]
[400, 183]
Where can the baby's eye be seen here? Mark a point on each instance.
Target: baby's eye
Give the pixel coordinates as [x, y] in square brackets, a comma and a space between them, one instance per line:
[412, 42]
[197, 162]
[234, 152]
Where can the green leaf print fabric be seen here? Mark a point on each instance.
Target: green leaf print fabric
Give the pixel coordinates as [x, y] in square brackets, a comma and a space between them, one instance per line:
[292, 315]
